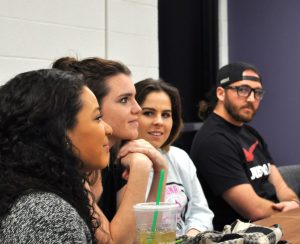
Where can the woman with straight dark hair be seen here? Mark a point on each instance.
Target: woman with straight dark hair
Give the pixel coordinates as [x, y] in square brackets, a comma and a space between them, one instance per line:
[125, 180]
[160, 124]
[51, 138]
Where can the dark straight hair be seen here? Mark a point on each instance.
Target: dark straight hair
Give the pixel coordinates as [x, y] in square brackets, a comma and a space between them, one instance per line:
[95, 72]
[145, 87]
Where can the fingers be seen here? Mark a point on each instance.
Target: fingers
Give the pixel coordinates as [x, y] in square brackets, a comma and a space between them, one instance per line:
[144, 147]
[128, 149]
[125, 174]
[140, 146]
[285, 206]
[278, 206]
[133, 158]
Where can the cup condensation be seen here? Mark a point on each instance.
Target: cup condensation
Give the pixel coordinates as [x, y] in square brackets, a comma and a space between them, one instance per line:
[165, 226]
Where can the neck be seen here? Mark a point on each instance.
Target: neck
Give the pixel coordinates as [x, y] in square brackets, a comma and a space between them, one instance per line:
[113, 141]
[221, 111]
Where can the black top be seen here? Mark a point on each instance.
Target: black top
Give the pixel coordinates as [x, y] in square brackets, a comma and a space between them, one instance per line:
[112, 182]
[225, 156]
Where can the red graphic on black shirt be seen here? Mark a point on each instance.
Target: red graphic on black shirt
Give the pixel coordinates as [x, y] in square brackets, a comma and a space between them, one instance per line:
[249, 153]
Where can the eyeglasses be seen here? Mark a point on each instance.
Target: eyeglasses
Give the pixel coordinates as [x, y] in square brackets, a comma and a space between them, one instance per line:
[245, 91]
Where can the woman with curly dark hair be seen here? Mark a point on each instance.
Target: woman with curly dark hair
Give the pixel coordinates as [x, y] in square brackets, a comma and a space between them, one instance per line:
[51, 138]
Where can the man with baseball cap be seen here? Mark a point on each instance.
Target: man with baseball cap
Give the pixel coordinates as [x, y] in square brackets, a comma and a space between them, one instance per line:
[233, 163]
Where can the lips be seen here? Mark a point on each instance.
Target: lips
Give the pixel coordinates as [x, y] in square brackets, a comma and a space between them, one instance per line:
[106, 146]
[248, 106]
[155, 133]
[134, 123]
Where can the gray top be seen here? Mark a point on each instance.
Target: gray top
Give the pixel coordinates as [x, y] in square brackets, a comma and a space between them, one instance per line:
[42, 217]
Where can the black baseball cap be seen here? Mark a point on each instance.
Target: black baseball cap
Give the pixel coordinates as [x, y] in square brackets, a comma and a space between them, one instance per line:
[233, 72]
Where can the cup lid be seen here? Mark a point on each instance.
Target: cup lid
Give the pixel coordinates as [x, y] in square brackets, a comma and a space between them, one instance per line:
[152, 206]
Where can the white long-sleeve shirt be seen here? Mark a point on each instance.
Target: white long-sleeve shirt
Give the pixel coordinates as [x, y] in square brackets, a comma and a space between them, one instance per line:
[184, 189]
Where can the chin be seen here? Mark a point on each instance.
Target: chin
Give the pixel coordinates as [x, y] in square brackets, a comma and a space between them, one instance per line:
[103, 165]
[155, 144]
[246, 119]
[131, 136]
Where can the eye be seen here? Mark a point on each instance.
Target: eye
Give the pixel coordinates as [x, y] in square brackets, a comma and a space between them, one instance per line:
[124, 100]
[147, 113]
[259, 91]
[244, 89]
[99, 117]
[166, 115]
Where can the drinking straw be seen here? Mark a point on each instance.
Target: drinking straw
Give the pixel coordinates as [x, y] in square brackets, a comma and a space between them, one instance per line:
[178, 241]
[160, 185]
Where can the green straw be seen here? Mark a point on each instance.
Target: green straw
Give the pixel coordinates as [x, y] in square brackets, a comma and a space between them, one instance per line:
[160, 184]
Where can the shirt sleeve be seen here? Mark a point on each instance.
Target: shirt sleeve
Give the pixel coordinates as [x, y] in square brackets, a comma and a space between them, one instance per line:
[45, 218]
[198, 215]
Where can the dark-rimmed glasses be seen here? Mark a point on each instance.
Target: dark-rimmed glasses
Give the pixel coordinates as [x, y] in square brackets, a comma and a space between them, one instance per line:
[245, 91]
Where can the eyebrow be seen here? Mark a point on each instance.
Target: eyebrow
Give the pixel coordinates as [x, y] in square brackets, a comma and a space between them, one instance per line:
[260, 88]
[152, 109]
[97, 109]
[129, 94]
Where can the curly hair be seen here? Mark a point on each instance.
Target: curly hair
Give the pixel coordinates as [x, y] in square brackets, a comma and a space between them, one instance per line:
[145, 87]
[95, 72]
[36, 110]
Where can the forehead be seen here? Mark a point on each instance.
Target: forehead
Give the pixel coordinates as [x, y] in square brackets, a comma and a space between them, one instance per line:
[250, 72]
[157, 98]
[88, 99]
[250, 83]
[120, 84]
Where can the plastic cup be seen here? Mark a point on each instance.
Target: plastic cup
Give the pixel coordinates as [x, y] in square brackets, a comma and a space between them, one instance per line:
[165, 226]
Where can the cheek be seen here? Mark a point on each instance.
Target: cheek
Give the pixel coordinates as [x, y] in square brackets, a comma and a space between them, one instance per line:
[256, 105]
[169, 126]
[111, 114]
[108, 118]
[142, 129]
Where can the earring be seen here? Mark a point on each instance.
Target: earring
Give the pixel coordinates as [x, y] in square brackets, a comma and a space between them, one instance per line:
[67, 143]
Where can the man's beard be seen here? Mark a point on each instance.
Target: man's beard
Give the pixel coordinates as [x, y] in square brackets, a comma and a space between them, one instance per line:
[233, 111]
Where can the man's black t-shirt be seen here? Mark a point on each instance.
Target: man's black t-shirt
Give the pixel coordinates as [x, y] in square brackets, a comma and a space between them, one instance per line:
[225, 156]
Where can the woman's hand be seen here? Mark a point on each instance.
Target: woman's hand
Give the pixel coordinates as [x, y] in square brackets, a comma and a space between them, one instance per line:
[144, 147]
[132, 158]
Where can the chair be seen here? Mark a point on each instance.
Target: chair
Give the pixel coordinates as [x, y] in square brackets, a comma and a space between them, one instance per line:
[291, 175]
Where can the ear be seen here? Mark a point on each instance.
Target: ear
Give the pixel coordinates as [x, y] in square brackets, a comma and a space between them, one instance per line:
[220, 93]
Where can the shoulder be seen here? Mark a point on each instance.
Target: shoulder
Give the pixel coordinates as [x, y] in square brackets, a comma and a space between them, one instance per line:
[176, 151]
[180, 157]
[43, 217]
[214, 131]
[178, 154]
[42, 203]
[253, 131]
[215, 140]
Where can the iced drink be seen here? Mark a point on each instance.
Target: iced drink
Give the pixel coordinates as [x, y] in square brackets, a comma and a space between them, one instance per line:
[156, 224]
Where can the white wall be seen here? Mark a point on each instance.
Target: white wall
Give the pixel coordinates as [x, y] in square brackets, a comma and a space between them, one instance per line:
[34, 33]
[223, 33]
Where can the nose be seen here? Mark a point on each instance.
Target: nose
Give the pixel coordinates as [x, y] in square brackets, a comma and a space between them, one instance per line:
[251, 97]
[136, 107]
[158, 120]
[107, 128]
